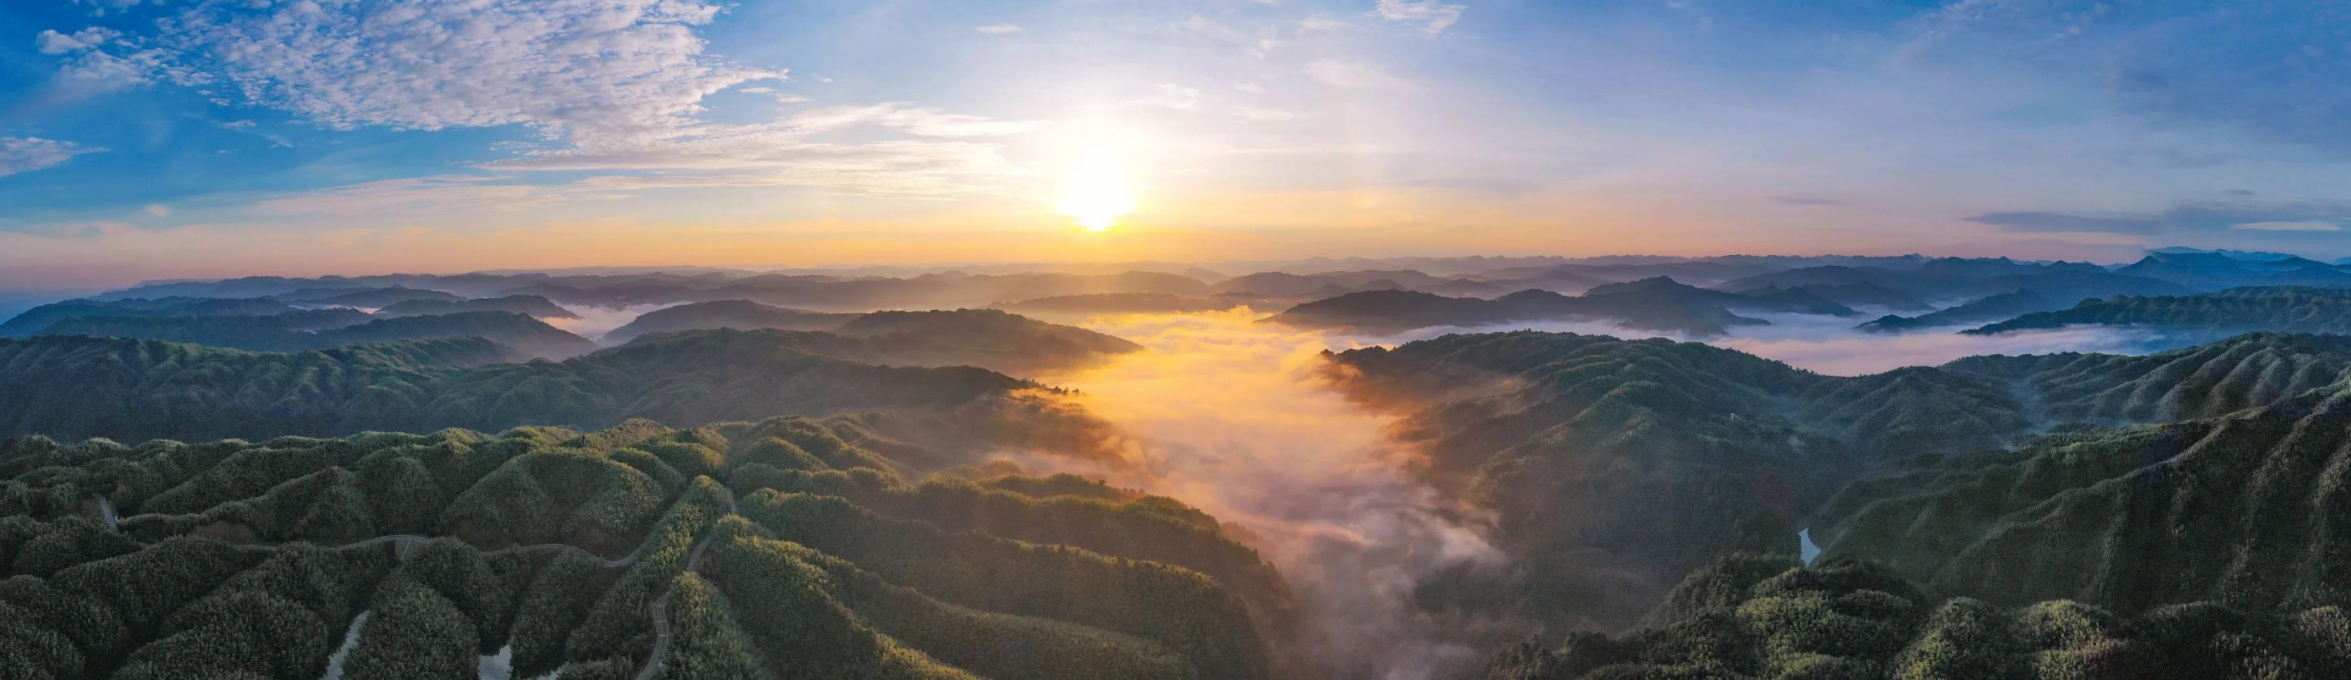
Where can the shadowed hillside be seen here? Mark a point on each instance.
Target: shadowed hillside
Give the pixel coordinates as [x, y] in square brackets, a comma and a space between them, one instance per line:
[38, 318]
[2247, 510]
[530, 305]
[781, 548]
[1658, 304]
[1754, 616]
[328, 328]
[736, 314]
[70, 387]
[1614, 467]
[2202, 318]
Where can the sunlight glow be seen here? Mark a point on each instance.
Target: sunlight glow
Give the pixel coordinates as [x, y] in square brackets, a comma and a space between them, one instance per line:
[1097, 193]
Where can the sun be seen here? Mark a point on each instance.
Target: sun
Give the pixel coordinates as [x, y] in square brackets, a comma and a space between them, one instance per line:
[1097, 193]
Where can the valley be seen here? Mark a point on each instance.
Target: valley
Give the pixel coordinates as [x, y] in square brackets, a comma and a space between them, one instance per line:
[737, 488]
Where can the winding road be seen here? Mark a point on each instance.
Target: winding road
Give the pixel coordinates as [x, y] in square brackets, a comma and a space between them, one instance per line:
[660, 608]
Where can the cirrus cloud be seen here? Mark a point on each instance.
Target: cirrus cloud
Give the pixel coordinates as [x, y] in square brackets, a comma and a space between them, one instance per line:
[26, 154]
[1432, 16]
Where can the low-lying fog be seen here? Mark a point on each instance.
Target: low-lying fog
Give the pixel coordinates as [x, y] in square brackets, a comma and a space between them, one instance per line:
[1228, 415]
[1833, 346]
[1232, 416]
[595, 321]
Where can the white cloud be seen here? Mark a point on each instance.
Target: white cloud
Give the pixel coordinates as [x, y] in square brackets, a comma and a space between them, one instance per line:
[917, 121]
[1322, 22]
[1263, 42]
[1432, 15]
[613, 86]
[104, 5]
[1357, 75]
[158, 210]
[608, 72]
[413, 195]
[2308, 226]
[1252, 113]
[1179, 97]
[949, 154]
[998, 29]
[26, 154]
[52, 42]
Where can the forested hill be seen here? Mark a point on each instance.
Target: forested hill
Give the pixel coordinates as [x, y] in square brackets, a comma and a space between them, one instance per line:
[532, 305]
[781, 548]
[985, 338]
[1764, 616]
[130, 390]
[736, 314]
[1615, 467]
[2247, 510]
[2201, 318]
[1653, 304]
[321, 329]
[38, 318]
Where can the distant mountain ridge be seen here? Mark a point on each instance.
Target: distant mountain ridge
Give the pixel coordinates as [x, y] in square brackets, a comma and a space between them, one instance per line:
[1615, 467]
[322, 329]
[34, 320]
[531, 305]
[1657, 304]
[2202, 318]
[76, 386]
[736, 314]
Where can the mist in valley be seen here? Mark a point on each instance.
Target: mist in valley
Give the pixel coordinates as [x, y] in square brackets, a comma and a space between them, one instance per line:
[1239, 418]
[1832, 345]
[1233, 417]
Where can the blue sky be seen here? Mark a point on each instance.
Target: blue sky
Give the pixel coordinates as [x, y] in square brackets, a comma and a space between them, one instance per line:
[155, 138]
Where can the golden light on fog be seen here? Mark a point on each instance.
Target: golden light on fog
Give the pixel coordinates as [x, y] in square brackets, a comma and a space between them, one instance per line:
[1097, 193]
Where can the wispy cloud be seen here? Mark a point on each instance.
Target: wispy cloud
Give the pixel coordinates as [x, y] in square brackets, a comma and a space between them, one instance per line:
[53, 42]
[999, 29]
[26, 154]
[1354, 74]
[1253, 113]
[419, 195]
[601, 73]
[2288, 226]
[612, 86]
[2199, 217]
[1432, 16]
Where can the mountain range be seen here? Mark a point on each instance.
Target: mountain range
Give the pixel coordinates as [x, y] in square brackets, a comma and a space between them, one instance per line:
[1615, 468]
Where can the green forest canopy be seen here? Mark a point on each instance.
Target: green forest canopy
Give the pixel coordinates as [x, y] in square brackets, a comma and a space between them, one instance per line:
[782, 548]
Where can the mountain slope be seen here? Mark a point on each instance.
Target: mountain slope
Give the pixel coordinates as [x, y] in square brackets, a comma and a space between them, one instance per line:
[38, 318]
[326, 328]
[371, 298]
[2216, 271]
[137, 390]
[736, 314]
[1763, 616]
[1614, 467]
[531, 305]
[776, 548]
[1120, 303]
[2000, 306]
[1651, 304]
[2248, 510]
[2203, 317]
[277, 332]
[986, 338]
